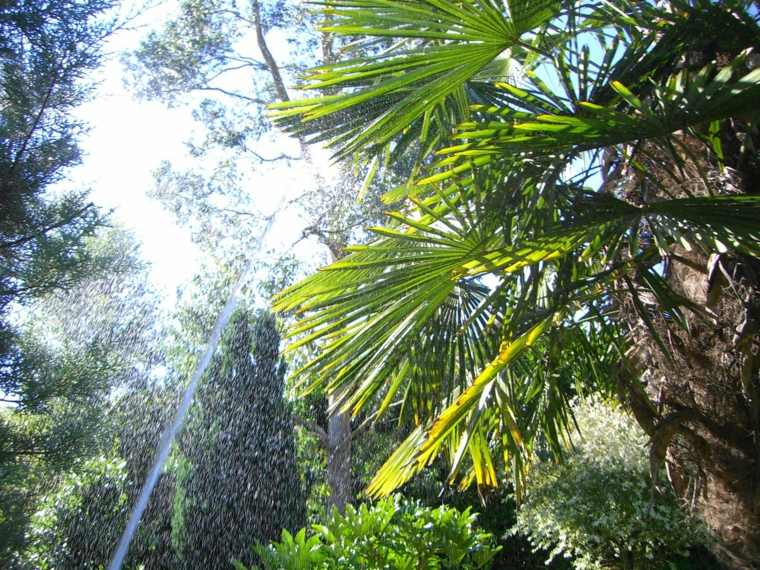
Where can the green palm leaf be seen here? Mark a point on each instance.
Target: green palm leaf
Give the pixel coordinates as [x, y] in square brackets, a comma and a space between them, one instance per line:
[466, 309]
[523, 401]
[421, 88]
[680, 105]
[382, 312]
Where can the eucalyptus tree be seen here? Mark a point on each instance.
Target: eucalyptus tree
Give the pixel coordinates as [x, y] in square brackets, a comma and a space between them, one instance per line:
[215, 56]
[608, 181]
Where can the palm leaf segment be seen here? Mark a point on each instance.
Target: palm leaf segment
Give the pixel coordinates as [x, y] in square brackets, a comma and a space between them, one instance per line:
[535, 121]
[475, 363]
[404, 89]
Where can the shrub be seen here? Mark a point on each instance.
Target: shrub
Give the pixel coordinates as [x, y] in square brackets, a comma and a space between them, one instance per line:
[75, 525]
[80, 519]
[392, 533]
[600, 506]
[237, 472]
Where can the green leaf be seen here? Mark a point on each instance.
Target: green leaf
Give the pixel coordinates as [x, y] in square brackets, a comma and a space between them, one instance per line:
[391, 93]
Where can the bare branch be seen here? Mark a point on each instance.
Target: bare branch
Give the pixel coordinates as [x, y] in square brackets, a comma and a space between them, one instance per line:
[282, 156]
[222, 71]
[238, 15]
[233, 94]
[238, 212]
[255, 63]
[274, 69]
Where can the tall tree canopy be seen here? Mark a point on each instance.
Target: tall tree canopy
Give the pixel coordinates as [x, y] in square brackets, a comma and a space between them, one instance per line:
[74, 347]
[46, 51]
[606, 188]
[202, 55]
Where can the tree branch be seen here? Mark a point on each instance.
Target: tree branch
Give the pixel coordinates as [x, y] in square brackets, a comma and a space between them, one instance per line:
[282, 156]
[56, 225]
[237, 14]
[233, 94]
[30, 132]
[274, 69]
[313, 428]
[238, 212]
[224, 70]
[255, 63]
[362, 427]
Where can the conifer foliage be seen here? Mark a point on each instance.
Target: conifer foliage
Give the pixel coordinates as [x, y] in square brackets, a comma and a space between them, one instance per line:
[237, 479]
[46, 51]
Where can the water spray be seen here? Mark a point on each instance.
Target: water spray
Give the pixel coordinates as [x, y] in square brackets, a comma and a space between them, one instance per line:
[167, 439]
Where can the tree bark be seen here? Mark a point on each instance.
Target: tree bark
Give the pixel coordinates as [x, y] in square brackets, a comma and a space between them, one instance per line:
[337, 442]
[274, 68]
[339, 438]
[711, 454]
[705, 375]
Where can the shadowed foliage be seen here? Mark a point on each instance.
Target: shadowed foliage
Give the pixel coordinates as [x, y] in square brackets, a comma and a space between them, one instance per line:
[237, 467]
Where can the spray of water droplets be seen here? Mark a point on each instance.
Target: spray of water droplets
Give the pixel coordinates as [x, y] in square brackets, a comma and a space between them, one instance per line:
[169, 435]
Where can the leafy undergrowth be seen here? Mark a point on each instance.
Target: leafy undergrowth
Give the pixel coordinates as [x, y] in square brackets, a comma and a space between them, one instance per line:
[392, 533]
[600, 506]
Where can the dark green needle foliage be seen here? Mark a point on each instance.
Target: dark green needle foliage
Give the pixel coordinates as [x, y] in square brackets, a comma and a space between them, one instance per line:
[237, 481]
[46, 50]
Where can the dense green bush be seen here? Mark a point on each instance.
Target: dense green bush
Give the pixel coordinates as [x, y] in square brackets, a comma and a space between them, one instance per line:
[497, 514]
[237, 472]
[74, 526]
[393, 534]
[600, 506]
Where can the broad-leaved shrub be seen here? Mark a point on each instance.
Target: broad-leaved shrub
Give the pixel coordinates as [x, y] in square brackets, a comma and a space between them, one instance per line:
[391, 534]
[599, 506]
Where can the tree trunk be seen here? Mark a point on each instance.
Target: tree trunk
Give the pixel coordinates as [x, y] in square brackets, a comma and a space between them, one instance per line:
[339, 459]
[697, 388]
[699, 395]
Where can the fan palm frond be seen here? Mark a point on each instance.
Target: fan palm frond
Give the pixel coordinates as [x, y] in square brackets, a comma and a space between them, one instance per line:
[467, 307]
[419, 84]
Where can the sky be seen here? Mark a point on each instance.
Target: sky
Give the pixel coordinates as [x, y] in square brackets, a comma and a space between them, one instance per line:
[127, 141]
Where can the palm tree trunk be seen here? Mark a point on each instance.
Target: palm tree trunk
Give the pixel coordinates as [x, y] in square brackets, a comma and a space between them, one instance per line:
[700, 404]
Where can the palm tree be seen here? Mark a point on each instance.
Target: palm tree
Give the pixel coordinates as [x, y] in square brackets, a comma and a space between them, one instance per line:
[584, 206]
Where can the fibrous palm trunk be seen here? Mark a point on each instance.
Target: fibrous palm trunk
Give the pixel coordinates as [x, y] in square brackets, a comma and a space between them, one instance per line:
[702, 408]
[699, 393]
